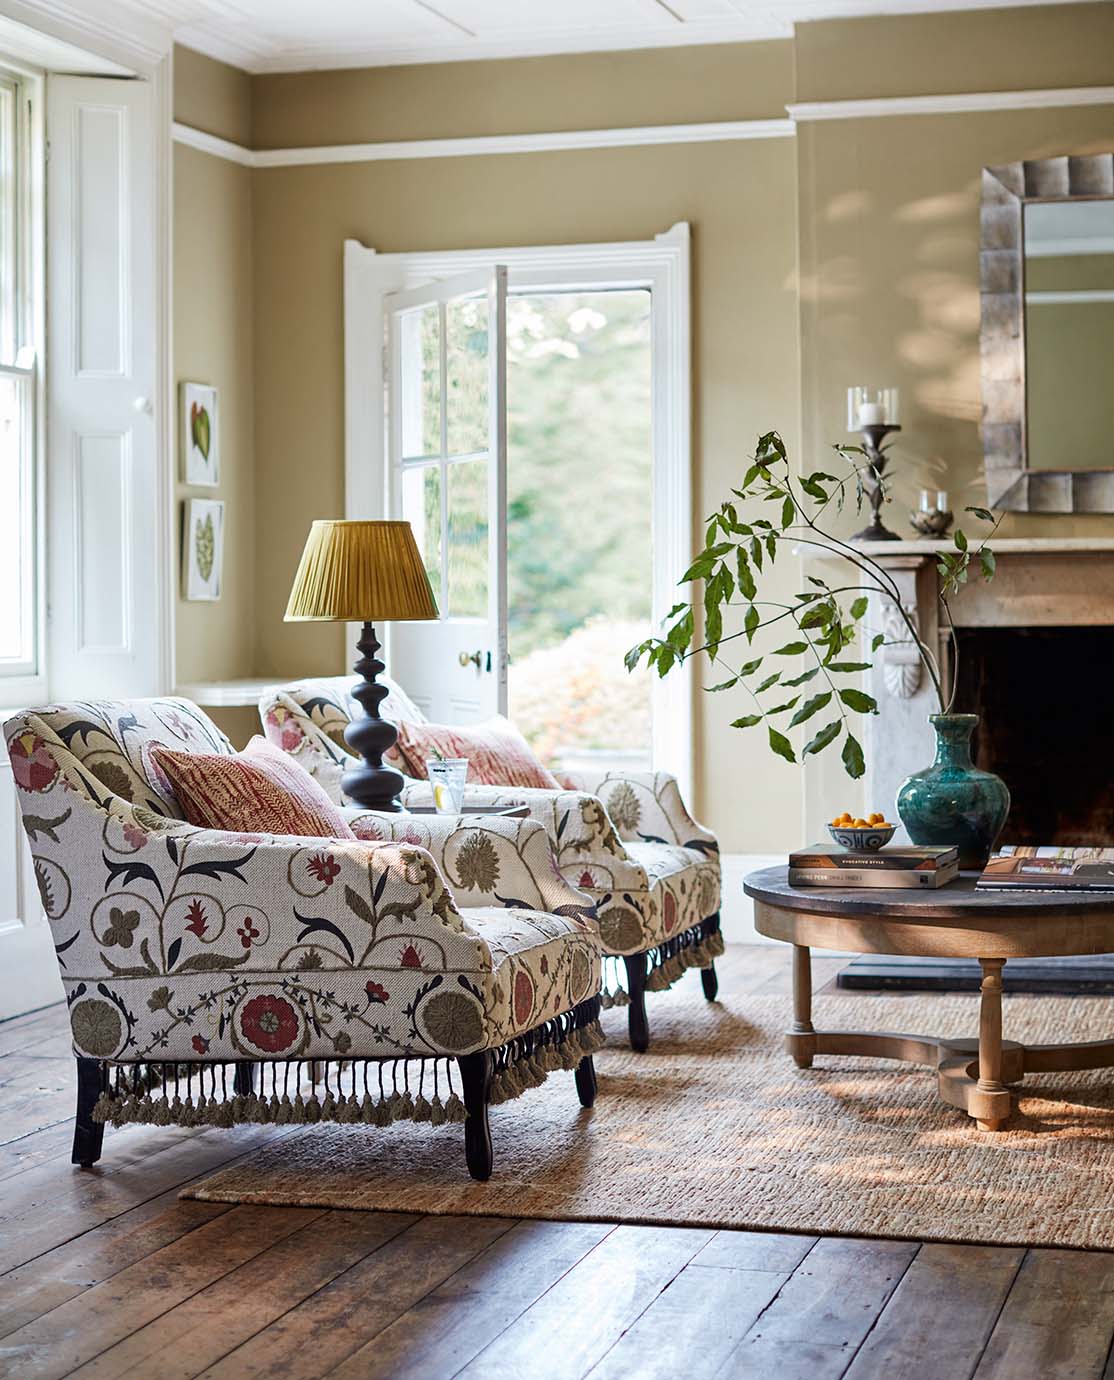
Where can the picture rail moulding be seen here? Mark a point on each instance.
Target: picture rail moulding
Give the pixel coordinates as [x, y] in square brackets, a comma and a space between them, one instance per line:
[718, 131]
[722, 131]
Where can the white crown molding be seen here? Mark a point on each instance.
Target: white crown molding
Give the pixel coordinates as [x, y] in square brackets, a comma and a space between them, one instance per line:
[969, 102]
[713, 132]
[108, 29]
[246, 49]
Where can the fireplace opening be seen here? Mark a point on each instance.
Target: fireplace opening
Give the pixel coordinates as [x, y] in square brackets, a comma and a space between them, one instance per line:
[1046, 726]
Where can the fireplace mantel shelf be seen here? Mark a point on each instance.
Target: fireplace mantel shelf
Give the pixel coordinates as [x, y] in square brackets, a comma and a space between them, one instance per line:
[1002, 546]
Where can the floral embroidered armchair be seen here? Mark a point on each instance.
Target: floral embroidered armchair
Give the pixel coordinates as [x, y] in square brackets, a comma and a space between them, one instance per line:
[188, 952]
[624, 838]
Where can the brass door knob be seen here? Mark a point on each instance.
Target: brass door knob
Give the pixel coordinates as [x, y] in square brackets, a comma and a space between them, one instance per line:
[474, 660]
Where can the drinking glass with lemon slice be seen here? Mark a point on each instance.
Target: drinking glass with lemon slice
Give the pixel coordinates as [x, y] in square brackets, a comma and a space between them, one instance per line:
[447, 776]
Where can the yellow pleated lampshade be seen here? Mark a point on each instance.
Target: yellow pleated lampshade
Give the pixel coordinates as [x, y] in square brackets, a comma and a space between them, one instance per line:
[360, 572]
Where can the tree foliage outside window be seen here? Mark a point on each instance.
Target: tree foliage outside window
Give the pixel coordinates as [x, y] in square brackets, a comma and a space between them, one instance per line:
[579, 514]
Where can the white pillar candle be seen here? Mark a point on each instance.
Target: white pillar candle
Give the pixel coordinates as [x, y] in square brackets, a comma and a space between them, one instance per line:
[871, 414]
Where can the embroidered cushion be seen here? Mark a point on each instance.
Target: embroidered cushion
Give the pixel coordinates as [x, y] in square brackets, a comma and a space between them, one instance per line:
[261, 790]
[498, 755]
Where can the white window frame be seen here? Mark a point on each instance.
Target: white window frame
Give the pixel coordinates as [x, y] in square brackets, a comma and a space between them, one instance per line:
[26, 681]
[663, 266]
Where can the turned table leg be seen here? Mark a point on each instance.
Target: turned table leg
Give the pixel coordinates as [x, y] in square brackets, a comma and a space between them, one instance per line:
[990, 1102]
[801, 1040]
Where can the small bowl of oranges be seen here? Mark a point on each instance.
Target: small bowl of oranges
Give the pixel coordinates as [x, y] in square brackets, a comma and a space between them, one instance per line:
[861, 835]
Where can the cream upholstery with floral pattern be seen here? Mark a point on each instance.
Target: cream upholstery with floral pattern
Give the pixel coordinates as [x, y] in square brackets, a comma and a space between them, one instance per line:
[626, 839]
[184, 943]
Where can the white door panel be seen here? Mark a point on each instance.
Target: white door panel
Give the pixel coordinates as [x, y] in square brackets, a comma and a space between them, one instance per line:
[448, 478]
[102, 450]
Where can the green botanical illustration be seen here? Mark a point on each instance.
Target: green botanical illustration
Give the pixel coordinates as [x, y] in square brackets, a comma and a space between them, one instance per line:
[200, 428]
[204, 547]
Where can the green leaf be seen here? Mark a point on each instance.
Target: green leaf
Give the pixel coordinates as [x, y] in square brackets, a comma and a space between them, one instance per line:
[747, 721]
[859, 607]
[674, 611]
[803, 678]
[788, 512]
[960, 539]
[770, 680]
[984, 513]
[853, 760]
[723, 685]
[781, 708]
[826, 735]
[858, 700]
[750, 622]
[751, 475]
[810, 707]
[747, 587]
[748, 668]
[756, 552]
[791, 649]
[850, 665]
[877, 641]
[816, 617]
[780, 744]
[771, 546]
[988, 562]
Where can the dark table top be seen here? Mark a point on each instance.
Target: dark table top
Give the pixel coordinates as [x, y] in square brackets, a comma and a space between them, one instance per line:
[959, 900]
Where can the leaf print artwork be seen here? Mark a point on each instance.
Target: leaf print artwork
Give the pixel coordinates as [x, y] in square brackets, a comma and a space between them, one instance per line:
[204, 545]
[200, 428]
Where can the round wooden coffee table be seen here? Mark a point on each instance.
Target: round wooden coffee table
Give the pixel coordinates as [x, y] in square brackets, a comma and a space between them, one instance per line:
[955, 922]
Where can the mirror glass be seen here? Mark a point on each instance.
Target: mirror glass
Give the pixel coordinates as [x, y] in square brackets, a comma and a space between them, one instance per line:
[1069, 334]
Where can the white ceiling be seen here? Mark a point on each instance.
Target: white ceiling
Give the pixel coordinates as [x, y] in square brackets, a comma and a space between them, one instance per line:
[294, 35]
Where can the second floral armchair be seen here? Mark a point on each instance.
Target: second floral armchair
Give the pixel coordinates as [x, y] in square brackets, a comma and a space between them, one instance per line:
[626, 839]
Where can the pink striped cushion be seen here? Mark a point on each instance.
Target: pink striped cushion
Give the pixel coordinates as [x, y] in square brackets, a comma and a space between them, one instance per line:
[261, 790]
[498, 755]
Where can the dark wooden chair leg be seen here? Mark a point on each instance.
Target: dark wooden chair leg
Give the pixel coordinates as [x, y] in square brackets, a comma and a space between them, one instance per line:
[637, 1024]
[709, 981]
[243, 1081]
[475, 1075]
[88, 1135]
[586, 1081]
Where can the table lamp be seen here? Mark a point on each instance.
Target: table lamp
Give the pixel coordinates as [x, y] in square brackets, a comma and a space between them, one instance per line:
[364, 572]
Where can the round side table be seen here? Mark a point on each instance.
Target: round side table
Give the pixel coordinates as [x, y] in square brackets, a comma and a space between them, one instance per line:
[955, 922]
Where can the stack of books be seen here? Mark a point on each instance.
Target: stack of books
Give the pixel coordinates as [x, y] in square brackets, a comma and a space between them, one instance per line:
[1049, 869]
[911, 866]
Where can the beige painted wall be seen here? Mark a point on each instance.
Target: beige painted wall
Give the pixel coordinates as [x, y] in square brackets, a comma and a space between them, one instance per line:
[214, 343]
[887, 211]
[739, 200]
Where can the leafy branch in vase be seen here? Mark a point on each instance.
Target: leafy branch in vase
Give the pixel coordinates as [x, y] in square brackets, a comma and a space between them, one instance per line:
[821, 623]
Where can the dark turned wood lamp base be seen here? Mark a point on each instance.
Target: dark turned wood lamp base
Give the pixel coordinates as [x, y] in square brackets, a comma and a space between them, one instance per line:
[371, 784]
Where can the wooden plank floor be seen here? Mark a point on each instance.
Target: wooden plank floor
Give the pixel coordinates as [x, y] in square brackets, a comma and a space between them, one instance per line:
[105, 1273]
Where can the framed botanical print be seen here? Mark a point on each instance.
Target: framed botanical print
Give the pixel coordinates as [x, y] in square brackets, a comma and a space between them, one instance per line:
[202, 548]
[200, 435]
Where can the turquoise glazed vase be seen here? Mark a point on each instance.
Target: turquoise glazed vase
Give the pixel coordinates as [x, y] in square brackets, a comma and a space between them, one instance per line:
[953, 802]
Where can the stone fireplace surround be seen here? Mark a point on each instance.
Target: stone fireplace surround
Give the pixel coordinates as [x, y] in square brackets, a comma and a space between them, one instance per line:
[1040, 583]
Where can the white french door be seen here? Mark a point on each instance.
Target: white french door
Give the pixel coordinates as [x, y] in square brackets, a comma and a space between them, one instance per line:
[105, 510]
[447, 476]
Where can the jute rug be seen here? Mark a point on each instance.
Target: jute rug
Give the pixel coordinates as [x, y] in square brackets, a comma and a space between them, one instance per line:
[716, 1126]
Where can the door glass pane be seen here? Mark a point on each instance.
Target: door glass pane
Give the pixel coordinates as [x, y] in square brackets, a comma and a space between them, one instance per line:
[421, 507]
[466, 364]
[419, 390]
[467, 539]
[15, 529]
[579, 547]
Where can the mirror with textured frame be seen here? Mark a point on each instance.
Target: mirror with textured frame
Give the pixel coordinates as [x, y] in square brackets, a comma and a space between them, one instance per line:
[1047, 339]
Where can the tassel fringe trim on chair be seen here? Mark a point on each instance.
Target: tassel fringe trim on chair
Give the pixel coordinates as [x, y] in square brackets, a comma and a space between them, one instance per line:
[366, 1091]
[698, 947]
